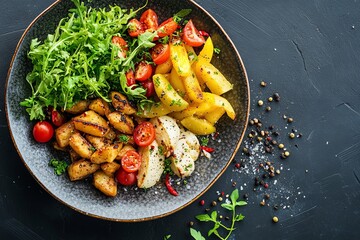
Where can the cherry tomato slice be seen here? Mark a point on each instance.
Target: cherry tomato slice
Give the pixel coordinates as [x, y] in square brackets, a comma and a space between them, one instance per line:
[122, 44]
[167, 27]
[126, 178]
[57, 118]
[135, 27]
[144, 134]
[130, 78]
[150, 19]
[149, 86]
[131, 161]
[191, 35]
[160, 53]
[143, 71]
[43, 131]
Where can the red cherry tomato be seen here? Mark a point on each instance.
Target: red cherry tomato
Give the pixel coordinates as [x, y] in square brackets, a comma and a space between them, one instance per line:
[130, 78]
[131, 161]
[43, 131]
[143, 71]
[126, 178]
[167, 27]
[144, 134]
[57, 118]
[160, 53]
[122, 44]
[149, 86]
[191, 35]
[150, 19]
[135, 27]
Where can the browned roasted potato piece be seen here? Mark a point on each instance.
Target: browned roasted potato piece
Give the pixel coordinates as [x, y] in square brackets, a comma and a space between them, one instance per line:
[57, 147]
[111, 135]
[74, 156]
[121, 103]
[105, 154]
[63, 133]
[97, 142]
[121, 122]
[79, 107]
[110, 168]
[79, 144]
[81, 169]
[91, 123]
[100, 106]
[105, 183]
[123, 150]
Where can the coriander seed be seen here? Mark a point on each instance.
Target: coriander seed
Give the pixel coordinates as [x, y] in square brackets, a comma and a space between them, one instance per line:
[281, 146]
[275, 219]
[292, 135]
[260, 103]
[270, 99]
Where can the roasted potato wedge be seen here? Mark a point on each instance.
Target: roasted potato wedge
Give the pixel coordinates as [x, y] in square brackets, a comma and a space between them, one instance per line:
[97, 142]
[110, 168]
[164, 67]
[156, 110]
[105, 183]
[214, 116]
[105, 154]
[192, 87]
[121, 103]
[100, 106]
[121, 122]
[74, 156]
[91, 123]
[81, 169]
[80, 145]
[179, 57]
[198, 126]
[79, 107]
[63, 134]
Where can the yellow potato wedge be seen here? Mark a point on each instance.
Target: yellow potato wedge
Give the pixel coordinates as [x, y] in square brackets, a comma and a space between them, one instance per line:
[213, 78]
[224, 103]
[63, 134]
[105, 183]
[79, 144]
[198, 126]
[191, 54]
[81, 169]
[97, 142]
[121, 122]
[207, 51]
[179, 57]
[100, 106]
[197, 109]
[167, 94]
[164, 67]
[214, 116]
[91, 123]
[110, 168]
[121, 103]
[105, 154]
[79, 107]
[192, 87]
[177, 83]
[156, 110]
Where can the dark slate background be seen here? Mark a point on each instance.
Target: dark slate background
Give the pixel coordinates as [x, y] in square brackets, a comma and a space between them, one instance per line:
[308, 51]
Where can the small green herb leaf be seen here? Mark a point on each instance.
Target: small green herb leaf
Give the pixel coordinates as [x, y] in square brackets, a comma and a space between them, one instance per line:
[124, 139]
[227, 206]
[241, 203]
[59, 166]
[214, 215]
[234, 196]
[204, 141]
[167, 237]
[196, 234]
[203, 217]
[239, 217]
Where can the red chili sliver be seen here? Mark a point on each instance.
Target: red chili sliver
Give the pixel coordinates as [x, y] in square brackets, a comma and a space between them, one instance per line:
[208, 149]
[171, 190]
[203, 33]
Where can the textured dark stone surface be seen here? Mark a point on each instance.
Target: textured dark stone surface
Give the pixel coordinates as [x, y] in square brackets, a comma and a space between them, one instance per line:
[308, 51]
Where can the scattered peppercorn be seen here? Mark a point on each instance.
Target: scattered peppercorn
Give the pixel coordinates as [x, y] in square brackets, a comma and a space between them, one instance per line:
[277, 171]
[191, 224]
[262, 203]
[267, 196]
[276, 97]
[281, 146]
[213, 203]
[263, 84]
[233, 184]
[220, 199]
[260, 103]
[270, 99]
[266, 185]
[246, 196]
[237, 165]
[290, 120]
[268, 108]
[292, 135]
[276, 207]
[202, 202]
[275, 219]
[220, 216]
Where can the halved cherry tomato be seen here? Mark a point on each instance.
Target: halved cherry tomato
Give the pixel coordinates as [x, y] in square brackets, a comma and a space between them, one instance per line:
[144, 134]
[57, 118]
[191, 35]
[43, 131]
[130, 78]
[131, 161]
[143, 71]
[135, 27]
[149, 86]
[160, 53]
[167, 27]
[126, 178]
[122, 44]
[150, 19]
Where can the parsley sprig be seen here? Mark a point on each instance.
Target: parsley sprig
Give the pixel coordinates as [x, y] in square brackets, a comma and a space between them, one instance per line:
[217, 223]
[59, 166]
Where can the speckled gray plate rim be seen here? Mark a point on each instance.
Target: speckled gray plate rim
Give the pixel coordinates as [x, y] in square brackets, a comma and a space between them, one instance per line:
[131, 204]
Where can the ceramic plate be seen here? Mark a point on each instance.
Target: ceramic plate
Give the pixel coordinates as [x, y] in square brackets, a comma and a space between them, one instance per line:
[130, 204]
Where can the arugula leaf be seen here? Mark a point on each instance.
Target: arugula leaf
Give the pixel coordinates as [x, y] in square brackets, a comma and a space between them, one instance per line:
[196, 234]
[181, 14]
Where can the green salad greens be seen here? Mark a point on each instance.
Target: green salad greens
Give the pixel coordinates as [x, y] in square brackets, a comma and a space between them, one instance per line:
[78, 61]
